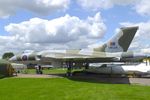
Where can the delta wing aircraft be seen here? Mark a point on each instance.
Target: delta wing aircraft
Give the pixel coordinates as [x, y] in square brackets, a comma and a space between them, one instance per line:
[115, 49]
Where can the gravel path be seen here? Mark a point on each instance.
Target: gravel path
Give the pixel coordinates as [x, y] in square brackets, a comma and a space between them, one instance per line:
[140, 81]
[36, 76]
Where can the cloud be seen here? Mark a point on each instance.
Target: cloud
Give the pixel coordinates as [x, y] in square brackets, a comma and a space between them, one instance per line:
[141, 40]
[147, 50]
[103, 4]
[142, 7]
[59, 30]
[67, 32]
[94, 4]
[41, 7]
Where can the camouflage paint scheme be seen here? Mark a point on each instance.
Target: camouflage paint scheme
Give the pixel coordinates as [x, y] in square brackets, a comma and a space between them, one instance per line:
[113, 50]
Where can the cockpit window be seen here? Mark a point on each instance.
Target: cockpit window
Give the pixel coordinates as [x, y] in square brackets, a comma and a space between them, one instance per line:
[28, 51]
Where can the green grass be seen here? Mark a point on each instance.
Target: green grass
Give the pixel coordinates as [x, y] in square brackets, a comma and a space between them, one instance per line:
[67, 89]
[49, 71]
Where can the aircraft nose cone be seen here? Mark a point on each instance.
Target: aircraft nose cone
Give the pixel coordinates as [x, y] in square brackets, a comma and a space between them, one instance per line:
[14, 58]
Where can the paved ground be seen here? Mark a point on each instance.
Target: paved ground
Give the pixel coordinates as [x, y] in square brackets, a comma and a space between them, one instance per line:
[93, 78]
[36, 76]
[140, 81]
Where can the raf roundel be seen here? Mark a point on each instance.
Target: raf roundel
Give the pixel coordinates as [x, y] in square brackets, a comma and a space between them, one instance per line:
[112, 43]
[24, 57]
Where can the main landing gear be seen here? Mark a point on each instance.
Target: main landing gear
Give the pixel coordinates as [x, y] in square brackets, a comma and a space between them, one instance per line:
[71, 64]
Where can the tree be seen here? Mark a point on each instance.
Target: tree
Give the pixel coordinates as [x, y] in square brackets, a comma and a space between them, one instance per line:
[8, 55]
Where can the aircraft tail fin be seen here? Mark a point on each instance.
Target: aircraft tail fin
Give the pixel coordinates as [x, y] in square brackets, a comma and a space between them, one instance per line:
[120, 42]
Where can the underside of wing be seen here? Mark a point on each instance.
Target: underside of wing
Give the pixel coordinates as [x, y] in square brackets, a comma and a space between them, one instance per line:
[81, 59]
